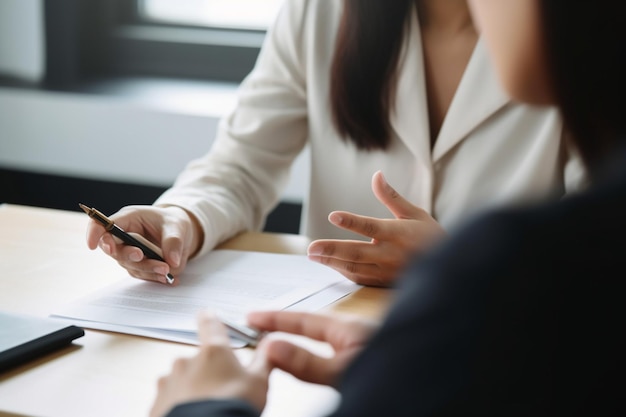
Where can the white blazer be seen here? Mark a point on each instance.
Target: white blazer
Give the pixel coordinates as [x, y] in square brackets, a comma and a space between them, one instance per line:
[489, 150]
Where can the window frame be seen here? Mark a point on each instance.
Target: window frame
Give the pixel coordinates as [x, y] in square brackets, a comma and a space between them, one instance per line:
[103, 38]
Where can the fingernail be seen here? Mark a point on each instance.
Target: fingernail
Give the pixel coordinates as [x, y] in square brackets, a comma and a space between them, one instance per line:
[335, 218]
[175, 256]
[161, 270]
[135, 257]
[383, 179]
[315, 250]
[105, 248]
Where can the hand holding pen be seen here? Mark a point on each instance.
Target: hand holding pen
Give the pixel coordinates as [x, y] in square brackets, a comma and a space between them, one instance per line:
[149, 249]
[247, 334]
[174, 231]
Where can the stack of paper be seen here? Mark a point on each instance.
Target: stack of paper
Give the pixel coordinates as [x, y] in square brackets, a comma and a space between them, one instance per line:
[230, 283]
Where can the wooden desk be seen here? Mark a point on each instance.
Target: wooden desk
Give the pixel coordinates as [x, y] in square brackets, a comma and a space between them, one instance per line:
[45, 263]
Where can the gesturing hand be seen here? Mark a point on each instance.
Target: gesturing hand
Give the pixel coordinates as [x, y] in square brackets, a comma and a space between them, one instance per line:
[346, 335]
[393, 241]
[213, 373]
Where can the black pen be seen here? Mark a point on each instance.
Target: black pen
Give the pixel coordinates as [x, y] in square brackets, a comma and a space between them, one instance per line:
[149, 249]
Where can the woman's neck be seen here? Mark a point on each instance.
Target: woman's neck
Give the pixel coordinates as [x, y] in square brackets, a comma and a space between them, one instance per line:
[444, 16]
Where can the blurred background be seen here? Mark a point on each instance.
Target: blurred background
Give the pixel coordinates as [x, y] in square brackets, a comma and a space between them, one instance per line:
[105, 101]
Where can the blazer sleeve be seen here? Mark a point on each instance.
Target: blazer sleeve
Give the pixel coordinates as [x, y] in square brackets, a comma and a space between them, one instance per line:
[239, 181]
[214, 408]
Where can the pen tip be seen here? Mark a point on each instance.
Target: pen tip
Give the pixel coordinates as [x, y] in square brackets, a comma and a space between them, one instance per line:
[84, 207]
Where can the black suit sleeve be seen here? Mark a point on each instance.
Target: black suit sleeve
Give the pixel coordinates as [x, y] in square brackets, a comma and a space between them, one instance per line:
[227, 408]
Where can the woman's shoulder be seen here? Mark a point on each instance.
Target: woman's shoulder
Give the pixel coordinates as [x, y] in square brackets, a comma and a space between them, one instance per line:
[312, 10]
[305, 31]
[310, 16]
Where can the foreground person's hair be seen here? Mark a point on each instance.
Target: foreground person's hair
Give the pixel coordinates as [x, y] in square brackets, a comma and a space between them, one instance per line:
[586, 53]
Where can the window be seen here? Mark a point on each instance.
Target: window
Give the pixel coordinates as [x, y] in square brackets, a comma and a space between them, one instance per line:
[217, 40]
[233, 14]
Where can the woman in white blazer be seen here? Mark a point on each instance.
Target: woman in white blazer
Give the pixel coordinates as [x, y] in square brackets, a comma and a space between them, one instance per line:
[448, 152]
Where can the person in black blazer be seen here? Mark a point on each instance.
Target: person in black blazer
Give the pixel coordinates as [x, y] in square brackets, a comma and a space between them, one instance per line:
[518, 313]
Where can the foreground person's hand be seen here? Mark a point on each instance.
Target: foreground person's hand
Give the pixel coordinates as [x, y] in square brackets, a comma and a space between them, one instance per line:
[346, 334]
[213, 373]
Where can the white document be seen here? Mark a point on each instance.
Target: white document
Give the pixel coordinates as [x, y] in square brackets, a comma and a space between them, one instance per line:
[228, 282]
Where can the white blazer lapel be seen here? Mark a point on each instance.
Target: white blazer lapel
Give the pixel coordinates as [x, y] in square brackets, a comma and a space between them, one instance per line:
[409, 117]
[478, 96]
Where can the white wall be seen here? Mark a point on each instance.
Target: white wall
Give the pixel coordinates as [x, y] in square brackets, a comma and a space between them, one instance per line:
[22, 47]
[113, 137]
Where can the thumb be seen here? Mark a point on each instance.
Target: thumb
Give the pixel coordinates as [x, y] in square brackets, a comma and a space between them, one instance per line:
[211, 331]
[398, 205]
[172, 243]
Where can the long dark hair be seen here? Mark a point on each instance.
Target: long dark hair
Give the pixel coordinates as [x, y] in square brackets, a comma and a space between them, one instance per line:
[586, 54]
[363, 77]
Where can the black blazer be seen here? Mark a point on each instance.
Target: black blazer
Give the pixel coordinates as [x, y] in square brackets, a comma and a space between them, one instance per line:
[520, 313]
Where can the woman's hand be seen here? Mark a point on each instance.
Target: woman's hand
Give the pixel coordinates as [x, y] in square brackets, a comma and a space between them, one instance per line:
[346, 335]
[172, 229]
[213, 373]
[393, 241]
